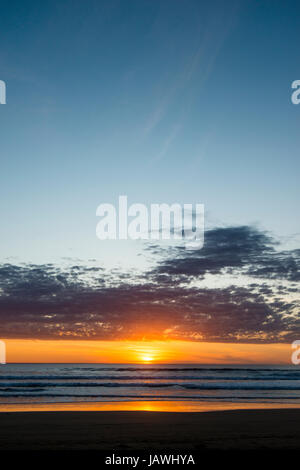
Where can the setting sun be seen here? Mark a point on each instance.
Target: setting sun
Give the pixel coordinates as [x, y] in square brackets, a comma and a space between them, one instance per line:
[147, 358]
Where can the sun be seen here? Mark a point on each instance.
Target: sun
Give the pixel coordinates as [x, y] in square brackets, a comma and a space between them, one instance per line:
[146, 358]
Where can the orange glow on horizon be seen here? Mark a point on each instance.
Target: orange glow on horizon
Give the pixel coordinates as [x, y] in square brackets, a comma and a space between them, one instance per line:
[141, 405]
[145, 352]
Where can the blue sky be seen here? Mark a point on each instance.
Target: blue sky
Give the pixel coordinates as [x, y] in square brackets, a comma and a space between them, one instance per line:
[165, 101]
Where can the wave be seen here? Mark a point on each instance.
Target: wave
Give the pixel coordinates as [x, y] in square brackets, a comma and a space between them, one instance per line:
[287, 376]
[156, 397]
[181, 369]
[187, 386]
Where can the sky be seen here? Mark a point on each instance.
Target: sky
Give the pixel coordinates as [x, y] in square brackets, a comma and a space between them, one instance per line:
[163, 101]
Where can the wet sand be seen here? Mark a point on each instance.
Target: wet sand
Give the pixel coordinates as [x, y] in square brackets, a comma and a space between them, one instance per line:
[126, 431]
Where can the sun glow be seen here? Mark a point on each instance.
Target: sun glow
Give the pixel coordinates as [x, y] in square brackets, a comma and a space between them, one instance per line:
[145, 352]
[146, 359]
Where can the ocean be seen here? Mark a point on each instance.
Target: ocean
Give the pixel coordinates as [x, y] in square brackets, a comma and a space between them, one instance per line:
[69, 383]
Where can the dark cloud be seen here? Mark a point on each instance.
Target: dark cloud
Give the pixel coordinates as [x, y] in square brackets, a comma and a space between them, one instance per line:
[84, 302]
[235, 249]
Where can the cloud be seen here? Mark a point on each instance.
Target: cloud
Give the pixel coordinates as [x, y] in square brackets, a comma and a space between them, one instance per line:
[209, 29]
[172, 300]
[234, 249]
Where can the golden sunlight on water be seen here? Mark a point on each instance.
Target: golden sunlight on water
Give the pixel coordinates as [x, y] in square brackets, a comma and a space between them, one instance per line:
[168, 406]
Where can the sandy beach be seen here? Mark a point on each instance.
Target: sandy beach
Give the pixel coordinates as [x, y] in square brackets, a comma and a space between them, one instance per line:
[125, 431]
